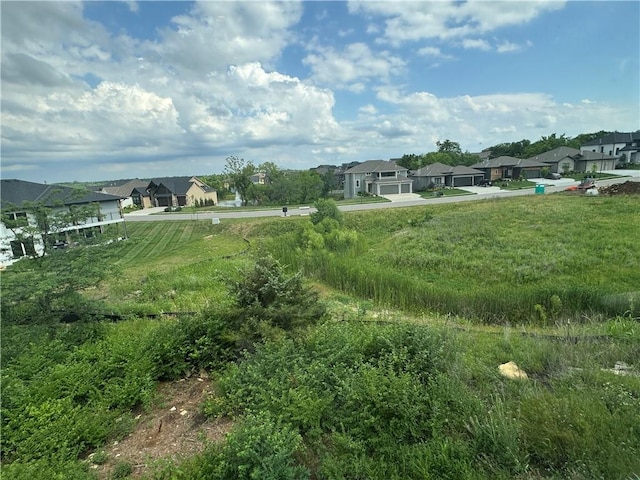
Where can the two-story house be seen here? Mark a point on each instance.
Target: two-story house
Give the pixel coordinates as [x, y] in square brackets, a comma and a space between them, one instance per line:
[76, 212]
[616, 144]
[376, 177]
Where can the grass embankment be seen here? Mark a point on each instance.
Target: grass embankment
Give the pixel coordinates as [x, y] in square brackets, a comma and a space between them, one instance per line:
[370, 393]
[519, 260]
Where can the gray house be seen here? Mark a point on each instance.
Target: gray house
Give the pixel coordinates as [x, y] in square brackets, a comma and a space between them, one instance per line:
[441, 175]
[505, 167]
[566, 159]
[376, 177]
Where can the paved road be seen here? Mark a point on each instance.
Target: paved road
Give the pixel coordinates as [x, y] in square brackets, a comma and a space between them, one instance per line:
[551, 186]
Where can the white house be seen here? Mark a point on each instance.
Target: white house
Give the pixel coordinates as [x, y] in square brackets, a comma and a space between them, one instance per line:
[14, 194]
[616, 144]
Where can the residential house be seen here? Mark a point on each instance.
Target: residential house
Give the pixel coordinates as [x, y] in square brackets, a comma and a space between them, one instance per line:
[15, 194]
[560, 160]
[127, 190]
[593, 162]
[616, 144]
[441, 175]
[504, 167]
[175, 192]
[260, 178]
[376, 177]
[340, 173]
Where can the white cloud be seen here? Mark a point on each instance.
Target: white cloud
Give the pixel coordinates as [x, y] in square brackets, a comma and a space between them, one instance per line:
[368, 109]
[412, 21]
[477, 43]
[214, 35]
[434, 52]
[355, 64]
[507, 47]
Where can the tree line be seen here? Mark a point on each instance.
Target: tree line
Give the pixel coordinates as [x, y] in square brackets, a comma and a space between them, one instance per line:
[450, 153]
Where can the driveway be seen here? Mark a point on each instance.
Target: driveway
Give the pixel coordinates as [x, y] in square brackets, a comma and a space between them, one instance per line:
[402, 197]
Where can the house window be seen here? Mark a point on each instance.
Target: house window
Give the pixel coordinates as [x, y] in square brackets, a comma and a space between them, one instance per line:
[357, 183]
[437, 180]
[22, 248]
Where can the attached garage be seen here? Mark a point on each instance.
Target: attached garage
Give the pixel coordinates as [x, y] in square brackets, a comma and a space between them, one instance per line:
[389, 189]
[462, 181]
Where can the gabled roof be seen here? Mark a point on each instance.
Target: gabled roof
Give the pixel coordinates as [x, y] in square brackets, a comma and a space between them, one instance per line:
[587, 155]
[506, 161]
[371, 166]
[126, 189]
[555, 155]
[432, 170]
[179, 185]
[438, 169]
[615, 137]
[20, 191]
[464, 170]
[176, 185]
[502, 161]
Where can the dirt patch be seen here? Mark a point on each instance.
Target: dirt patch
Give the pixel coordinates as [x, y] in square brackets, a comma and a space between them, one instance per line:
[173, 429]
[626, 188]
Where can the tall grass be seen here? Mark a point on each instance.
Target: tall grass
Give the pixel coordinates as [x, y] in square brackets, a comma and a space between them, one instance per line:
[538, 259]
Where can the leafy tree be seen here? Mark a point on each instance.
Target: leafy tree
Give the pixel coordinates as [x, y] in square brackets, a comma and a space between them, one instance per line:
[329, 182]
[308, 185]
[239, 173]
[326, 208]
[35, 288]
[447, 146]
[410, 161]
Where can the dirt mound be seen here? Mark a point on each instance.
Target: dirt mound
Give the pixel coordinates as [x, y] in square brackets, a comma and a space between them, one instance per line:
[626, 188]
[174, 429]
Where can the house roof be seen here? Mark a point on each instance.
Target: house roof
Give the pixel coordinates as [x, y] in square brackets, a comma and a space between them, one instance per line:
[506, 161]
[432, 170]
[126, 189]
[615, 137]
[502, 161]
[20, 191]
[437, 169]
[555, 155]
[176, 185]
[587, 155]
[371, 166]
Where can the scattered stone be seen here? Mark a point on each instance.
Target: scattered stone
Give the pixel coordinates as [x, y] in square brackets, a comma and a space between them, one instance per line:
[511, 370]
[172, 409]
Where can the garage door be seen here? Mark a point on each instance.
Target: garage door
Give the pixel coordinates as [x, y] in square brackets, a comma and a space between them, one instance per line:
[388, 189]
[406, 188]
[463, 181]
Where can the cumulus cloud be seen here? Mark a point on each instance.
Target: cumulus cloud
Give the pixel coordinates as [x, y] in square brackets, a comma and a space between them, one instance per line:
[413, 21]
[476, 43]
[355, 65]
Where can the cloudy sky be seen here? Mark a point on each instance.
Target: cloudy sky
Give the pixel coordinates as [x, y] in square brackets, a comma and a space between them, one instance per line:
[106, 90]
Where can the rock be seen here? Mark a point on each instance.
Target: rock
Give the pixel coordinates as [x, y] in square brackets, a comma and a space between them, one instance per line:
[511, 370]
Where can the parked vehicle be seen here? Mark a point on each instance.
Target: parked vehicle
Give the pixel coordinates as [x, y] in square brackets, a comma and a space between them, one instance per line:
[484, 183]
[553, 176]
[587, 183]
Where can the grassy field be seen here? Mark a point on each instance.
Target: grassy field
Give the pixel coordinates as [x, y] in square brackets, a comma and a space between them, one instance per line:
[515, 260]
[393, 384]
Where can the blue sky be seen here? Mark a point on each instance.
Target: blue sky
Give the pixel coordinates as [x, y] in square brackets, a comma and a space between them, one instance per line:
[106, 90]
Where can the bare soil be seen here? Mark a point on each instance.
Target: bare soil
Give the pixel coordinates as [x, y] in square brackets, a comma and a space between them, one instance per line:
[626, 188]
[173, 429]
